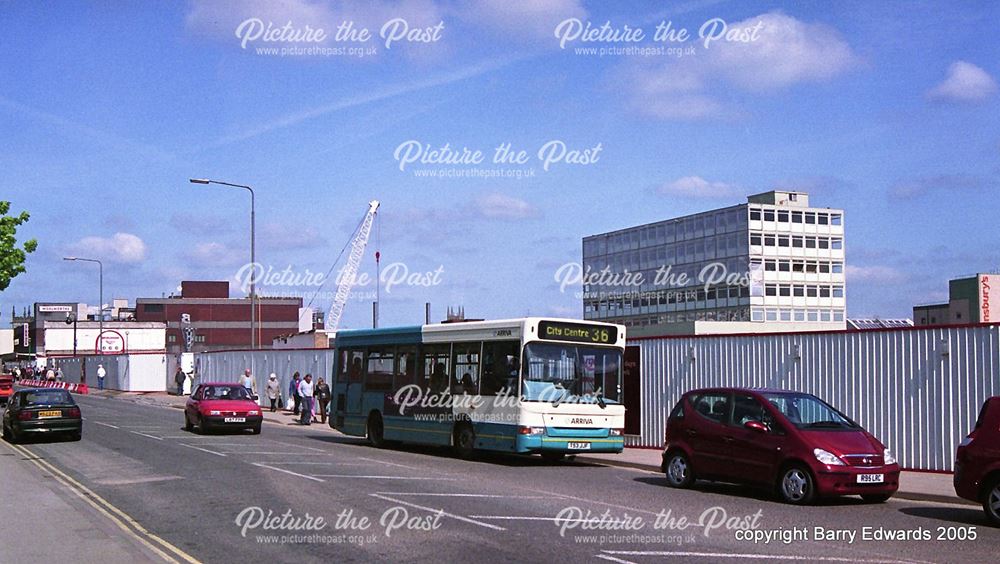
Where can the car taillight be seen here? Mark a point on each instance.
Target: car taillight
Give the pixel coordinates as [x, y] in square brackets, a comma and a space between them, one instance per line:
[72, 412]
[26, 416]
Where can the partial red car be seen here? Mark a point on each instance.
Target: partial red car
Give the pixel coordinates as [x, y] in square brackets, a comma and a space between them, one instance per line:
[791, 442]
[222, 405]
[6, 388]
[977, 464]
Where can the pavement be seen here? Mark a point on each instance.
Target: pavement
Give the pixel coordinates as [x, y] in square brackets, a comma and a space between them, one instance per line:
[237, 497]
[43, 515]
[913, 485]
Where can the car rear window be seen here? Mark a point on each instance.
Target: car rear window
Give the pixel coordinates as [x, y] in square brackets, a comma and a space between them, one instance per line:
[982, 415]
[48, 397]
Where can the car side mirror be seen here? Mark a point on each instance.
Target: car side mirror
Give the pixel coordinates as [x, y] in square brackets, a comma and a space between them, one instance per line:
[256, 397]
[756, 426]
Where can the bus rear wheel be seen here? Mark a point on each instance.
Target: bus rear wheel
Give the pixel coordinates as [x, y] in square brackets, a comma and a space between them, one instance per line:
[376, 430]
[464, 440]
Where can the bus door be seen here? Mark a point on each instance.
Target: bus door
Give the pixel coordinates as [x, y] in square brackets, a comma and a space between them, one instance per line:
[355, 380]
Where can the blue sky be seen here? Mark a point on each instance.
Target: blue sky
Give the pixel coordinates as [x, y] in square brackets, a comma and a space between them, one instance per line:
[888, 111]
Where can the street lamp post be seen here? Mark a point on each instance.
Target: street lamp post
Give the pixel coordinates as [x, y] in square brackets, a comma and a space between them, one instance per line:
[100, 305]
[253, 252]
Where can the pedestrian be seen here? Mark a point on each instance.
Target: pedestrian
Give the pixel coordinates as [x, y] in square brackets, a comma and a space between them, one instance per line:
[101, 373]
[50, 375]
[249, 382]
[322, 394]
[17, 373]
[59, 374]
[273, 390]
[293, 393]
[306, 394]
[179, 379]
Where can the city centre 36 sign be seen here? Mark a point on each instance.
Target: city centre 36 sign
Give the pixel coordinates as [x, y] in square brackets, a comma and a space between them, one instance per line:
[577, 332]
[110, 342]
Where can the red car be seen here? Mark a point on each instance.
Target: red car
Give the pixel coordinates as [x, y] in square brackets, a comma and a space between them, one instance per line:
[792, 442]
[222, 405]
[6, 388]
[977, 465]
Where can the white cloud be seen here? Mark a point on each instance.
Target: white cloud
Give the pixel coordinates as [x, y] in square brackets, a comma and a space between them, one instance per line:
[123, 248]
[874, 274]
[965, 83]
[786, 52]
[213, 254]
[922, 185]
[698, 187]
[499, 206]
[523, 19]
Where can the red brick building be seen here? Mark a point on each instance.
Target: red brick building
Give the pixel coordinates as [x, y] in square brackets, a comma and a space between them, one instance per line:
[218, 321]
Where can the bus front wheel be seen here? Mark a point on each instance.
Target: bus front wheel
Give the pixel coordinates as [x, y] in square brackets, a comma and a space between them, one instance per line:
[464, 440]
[376, 430]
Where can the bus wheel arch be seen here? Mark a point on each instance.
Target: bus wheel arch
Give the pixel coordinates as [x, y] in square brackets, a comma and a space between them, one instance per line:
[376, 429]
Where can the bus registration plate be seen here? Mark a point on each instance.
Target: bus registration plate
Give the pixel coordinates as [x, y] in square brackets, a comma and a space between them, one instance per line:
[579, 446]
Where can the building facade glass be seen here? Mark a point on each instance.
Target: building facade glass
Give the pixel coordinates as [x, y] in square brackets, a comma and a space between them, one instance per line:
[771, 260]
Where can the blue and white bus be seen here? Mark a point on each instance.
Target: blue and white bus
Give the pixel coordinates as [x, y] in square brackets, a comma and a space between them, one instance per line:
[531, 385]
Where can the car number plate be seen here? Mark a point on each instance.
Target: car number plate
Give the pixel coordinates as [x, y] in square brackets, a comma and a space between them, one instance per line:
[871, 478]
[49, 414]
[236, 420]
[579, 446]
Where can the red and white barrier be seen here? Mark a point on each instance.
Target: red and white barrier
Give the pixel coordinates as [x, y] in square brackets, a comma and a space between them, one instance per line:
[70, 386]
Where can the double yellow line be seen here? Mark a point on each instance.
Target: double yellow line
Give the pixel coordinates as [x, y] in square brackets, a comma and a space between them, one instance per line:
[130, 526]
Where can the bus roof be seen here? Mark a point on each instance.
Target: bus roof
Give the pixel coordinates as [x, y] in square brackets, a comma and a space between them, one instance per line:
[417, 333]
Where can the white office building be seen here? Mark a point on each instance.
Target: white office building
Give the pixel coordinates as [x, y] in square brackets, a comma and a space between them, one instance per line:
[760, 266]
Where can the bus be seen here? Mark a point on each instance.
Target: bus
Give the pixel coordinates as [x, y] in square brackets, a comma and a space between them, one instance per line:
[530, 386]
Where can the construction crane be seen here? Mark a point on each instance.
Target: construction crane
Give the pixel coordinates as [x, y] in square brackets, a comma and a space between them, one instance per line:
[350, 272]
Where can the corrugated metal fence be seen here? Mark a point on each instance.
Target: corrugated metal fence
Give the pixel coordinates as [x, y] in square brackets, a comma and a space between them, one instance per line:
[917, 390]
[228, 366]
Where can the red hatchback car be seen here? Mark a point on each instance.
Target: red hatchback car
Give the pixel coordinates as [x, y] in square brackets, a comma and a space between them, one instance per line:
[222, 405]
[977, 465]
[790, 441]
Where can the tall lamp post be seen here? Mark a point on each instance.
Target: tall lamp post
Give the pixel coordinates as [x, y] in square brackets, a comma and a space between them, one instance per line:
[100, 305]
[253, 252]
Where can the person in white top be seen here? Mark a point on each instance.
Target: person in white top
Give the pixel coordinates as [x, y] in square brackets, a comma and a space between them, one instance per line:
[101, 373]
[306, 392]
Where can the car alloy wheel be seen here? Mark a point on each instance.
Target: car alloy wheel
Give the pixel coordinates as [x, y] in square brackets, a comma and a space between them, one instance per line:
[991, 503]
[797, 485]
[679, 471]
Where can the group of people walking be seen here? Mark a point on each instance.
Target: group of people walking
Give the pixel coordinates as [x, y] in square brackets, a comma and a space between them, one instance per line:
[307, 400]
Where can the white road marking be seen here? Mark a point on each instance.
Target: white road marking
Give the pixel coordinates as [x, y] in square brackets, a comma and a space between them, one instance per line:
[500, 496]
[387, 463]
[296, 446]
[145, 435]
[313, 478]
[203, 450]
[792, 557]
[441, 512]
[322, 463]
[516, 518]
[106, 424]
[613, 559]
[146, 480]
[383, 477]
[259, 452]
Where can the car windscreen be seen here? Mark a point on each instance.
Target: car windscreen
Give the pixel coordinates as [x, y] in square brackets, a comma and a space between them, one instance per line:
[809, 412]
[226, 393]
[48, 397]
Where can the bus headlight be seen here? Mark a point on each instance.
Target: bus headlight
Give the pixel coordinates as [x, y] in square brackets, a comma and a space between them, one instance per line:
[531, 430]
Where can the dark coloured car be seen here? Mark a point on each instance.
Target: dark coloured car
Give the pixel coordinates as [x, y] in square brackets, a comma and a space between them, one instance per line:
[222, 406]
[792, 442]
[977, 464]
[38, 412]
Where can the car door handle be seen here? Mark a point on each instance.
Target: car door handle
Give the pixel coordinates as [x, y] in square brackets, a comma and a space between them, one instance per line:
[728, 439]
[691, 432]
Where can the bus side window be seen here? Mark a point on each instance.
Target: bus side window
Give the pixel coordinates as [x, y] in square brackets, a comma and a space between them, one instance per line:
[466, 372]
[436, 359]
[500, 367]
[355, 366]
[380, 369]
[406, 368]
